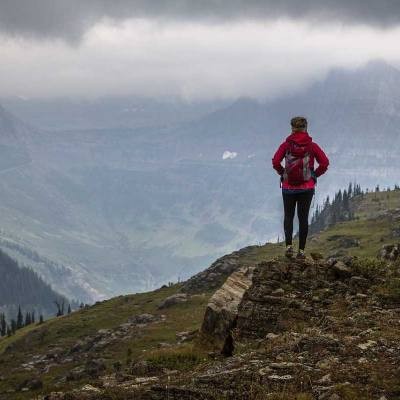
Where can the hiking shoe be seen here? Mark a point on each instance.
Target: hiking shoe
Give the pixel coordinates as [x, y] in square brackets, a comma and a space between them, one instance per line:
[289, 253]
[301, 255]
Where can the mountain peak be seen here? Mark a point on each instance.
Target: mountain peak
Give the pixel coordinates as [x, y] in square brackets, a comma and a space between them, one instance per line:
[379, 65]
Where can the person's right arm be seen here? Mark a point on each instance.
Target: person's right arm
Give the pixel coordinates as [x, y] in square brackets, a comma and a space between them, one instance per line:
[322, 160]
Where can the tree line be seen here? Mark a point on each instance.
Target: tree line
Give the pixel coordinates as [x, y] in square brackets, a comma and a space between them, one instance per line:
[28, 318]
[340, 207]
[21, 288]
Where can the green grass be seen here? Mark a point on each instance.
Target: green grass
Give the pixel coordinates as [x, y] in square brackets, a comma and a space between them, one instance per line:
[65, 331]
[180, 358]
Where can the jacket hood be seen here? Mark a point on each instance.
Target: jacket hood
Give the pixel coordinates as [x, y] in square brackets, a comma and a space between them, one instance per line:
[301, 138]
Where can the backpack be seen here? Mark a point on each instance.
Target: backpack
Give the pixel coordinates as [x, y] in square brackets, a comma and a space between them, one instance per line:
[297, 163]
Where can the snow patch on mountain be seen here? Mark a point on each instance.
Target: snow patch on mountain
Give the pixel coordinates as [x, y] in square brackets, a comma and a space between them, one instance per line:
[229, 155]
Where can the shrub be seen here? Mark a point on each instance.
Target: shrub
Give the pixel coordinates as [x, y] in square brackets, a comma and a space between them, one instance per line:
[182, 358]
[370, 268]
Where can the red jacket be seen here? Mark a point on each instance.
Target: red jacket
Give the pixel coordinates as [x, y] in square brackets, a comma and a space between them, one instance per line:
[317, 154]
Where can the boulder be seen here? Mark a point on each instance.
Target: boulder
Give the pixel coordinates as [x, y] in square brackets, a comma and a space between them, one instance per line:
[173, 300]
[222, 309]
[341, 270]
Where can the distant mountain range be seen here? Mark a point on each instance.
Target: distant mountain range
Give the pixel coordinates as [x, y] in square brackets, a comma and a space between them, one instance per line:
[129, 207]
[127, 112]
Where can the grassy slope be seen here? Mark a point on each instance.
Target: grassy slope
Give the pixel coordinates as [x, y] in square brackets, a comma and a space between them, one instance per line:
[64, 332]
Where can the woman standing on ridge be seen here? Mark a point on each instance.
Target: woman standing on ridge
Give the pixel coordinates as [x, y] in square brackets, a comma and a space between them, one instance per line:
[298, 180]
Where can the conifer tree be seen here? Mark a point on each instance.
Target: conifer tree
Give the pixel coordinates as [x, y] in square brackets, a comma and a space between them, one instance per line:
[60, 307]
[13, 326]
[28, 319]
[3, 325]
[20, 319]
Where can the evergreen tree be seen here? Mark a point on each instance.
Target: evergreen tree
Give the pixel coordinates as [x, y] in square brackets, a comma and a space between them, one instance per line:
[13, 326]
[60, 307]
[20, 319]
[3, 325]
[350, 190]
[28, 319]
[41, 320]
[69, 309]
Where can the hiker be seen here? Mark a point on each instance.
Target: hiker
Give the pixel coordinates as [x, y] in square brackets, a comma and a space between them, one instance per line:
[298, 180]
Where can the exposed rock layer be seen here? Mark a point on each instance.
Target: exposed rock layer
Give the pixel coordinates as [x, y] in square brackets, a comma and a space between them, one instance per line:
[221, 313]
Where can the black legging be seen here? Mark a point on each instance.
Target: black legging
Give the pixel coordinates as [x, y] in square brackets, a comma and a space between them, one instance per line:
[303, 201]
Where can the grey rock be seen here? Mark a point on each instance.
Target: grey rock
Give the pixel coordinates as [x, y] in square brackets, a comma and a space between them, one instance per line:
[142, 319]
[341, 269]
[173, 300]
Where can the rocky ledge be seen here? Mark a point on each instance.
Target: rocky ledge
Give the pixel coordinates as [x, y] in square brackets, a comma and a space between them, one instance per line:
[328, 329]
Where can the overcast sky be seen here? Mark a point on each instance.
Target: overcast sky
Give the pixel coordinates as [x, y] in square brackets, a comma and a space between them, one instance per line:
[194, 49]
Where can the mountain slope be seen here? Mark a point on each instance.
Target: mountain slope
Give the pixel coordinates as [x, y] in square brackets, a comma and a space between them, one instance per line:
[144, 339]
[125, 210]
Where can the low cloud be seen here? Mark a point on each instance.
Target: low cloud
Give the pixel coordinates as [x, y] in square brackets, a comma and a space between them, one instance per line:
[192, 61]
[70, 19]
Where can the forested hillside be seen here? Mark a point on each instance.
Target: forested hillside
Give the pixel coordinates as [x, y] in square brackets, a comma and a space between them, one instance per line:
[23, 287]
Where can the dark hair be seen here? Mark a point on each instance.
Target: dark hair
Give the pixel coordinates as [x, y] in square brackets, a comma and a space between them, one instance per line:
[298, 123]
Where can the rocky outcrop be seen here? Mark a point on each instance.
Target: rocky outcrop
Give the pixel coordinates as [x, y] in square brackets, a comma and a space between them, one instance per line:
[213, 277]
[317, 327]
[221, 313]
[284, 294]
